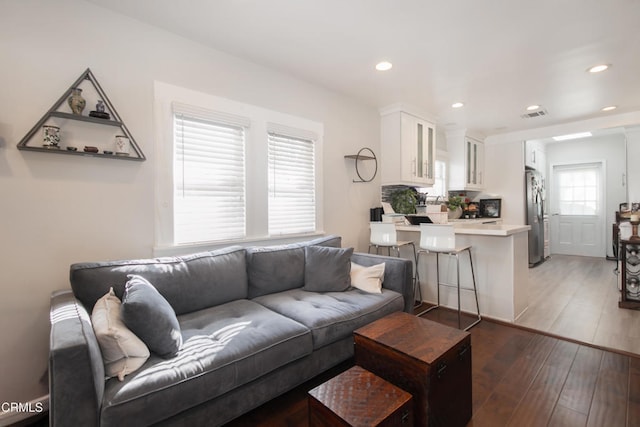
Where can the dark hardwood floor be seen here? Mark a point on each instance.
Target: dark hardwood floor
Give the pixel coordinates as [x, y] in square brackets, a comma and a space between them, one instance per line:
[520, 378]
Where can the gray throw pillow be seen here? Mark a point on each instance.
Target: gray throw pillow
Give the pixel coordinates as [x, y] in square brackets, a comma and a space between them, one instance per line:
[150, 317]
[327, 269]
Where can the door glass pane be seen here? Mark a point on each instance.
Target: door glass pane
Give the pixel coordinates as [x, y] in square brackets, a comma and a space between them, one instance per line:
[475, 162]
[430, 156]
[578, 189]
[468, 162]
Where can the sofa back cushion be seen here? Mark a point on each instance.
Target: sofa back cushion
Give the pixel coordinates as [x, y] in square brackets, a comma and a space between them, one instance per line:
[280, 268]
[274, 269]
[188, 283]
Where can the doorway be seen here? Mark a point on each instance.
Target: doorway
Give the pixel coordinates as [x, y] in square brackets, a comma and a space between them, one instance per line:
[577, 209]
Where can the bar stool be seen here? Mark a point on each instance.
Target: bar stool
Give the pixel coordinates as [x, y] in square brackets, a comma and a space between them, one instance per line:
[384, 235]
[441, 239]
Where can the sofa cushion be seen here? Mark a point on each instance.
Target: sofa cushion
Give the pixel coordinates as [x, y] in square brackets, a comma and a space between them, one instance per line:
[275, 268]
[368, 279]
[327, 269]
[280, 268]
[122, 351]
[223, 347]
[189, 283]
[332, 316]
[150, 317]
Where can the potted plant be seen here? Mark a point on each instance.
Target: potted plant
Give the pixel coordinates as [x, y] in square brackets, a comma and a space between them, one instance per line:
[404, 201]
[456, 204]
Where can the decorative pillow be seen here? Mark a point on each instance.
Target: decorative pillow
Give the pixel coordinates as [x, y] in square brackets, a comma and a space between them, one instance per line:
[368, 279]
[150, 317]
[122, 351]
[327, 269]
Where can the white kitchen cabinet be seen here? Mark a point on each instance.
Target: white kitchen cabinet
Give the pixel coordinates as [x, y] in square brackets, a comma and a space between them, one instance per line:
[408, 149]
[535, 156]
[466, 161]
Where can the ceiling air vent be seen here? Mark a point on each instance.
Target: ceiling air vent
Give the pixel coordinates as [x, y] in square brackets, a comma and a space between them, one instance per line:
[537, 113]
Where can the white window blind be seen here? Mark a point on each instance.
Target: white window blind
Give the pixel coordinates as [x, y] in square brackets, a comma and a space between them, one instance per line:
[292, 198]
[209, 176]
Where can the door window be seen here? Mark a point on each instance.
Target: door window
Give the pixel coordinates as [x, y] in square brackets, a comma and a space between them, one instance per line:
[578, 189]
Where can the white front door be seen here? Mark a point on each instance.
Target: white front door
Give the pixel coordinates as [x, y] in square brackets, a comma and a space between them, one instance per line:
[577, 214]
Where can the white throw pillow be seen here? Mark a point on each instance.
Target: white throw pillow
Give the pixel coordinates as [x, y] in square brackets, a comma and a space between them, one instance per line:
[122, 351]
[368, 279]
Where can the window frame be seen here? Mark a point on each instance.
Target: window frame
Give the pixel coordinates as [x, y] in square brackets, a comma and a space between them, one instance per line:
[256, 166]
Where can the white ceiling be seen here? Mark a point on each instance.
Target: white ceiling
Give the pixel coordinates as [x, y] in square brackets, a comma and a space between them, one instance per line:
[496, 56]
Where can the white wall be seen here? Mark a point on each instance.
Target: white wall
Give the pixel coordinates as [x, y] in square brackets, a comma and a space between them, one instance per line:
[633, 159]
[607, 148]
[57, 209]
[504, 176]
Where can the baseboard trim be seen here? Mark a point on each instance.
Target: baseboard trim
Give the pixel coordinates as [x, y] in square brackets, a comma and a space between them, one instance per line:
[36, 407]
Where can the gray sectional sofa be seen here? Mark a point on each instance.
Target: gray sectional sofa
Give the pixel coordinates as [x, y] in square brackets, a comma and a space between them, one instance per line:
[250, 332]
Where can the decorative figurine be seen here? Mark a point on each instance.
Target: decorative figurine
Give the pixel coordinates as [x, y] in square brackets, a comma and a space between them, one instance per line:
[100, 112]
[76, 101]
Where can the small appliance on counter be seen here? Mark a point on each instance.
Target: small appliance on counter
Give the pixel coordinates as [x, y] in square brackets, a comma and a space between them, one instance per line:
[418, 219]
[375, 214]
[490, 208]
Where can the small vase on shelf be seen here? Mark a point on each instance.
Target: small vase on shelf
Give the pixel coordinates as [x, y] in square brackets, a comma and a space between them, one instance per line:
[51, 136]
[122, 145]
[76, 101]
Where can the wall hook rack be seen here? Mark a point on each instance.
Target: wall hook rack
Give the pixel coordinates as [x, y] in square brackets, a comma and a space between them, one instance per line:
[359, 157]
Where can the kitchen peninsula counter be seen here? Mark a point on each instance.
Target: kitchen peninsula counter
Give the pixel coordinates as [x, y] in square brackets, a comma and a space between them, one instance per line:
[477, 229]
[501, 263]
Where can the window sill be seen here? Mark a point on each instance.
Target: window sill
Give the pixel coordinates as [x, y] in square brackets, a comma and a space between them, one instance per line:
[188, 248]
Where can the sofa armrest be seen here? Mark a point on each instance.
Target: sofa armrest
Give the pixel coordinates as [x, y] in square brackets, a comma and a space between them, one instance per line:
[76, 370]
[398, 275]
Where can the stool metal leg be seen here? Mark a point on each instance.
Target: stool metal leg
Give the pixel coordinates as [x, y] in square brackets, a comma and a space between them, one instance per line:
[438, 276]
[475, 291]
[416, 277]
[437, 281]
[458, 287]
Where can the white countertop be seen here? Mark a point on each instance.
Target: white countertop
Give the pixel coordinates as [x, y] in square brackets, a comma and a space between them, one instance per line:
[501, 230]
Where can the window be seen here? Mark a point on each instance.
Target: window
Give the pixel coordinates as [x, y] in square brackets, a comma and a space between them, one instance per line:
[440, 179]
[209, 176]
[578, 189]
[232, 172]
[292, 205]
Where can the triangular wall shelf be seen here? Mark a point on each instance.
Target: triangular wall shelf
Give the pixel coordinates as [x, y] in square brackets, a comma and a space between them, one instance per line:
[58, 115]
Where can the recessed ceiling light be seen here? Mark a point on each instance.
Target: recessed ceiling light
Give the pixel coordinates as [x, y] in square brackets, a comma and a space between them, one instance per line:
[609, 108]
[457, 105]
[598, 68]
[532, 107]
[572, 136]
[384, 66]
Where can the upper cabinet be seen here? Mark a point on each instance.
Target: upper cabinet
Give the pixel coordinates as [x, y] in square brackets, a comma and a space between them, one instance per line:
[535, 156]
[408, 149]
[466, 161]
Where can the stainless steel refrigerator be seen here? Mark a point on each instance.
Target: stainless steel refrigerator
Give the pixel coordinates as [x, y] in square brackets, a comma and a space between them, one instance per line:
[534, 184]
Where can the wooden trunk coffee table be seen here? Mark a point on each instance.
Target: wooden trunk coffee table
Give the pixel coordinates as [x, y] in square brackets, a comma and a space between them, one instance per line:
[359, 398]
[429, 360]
